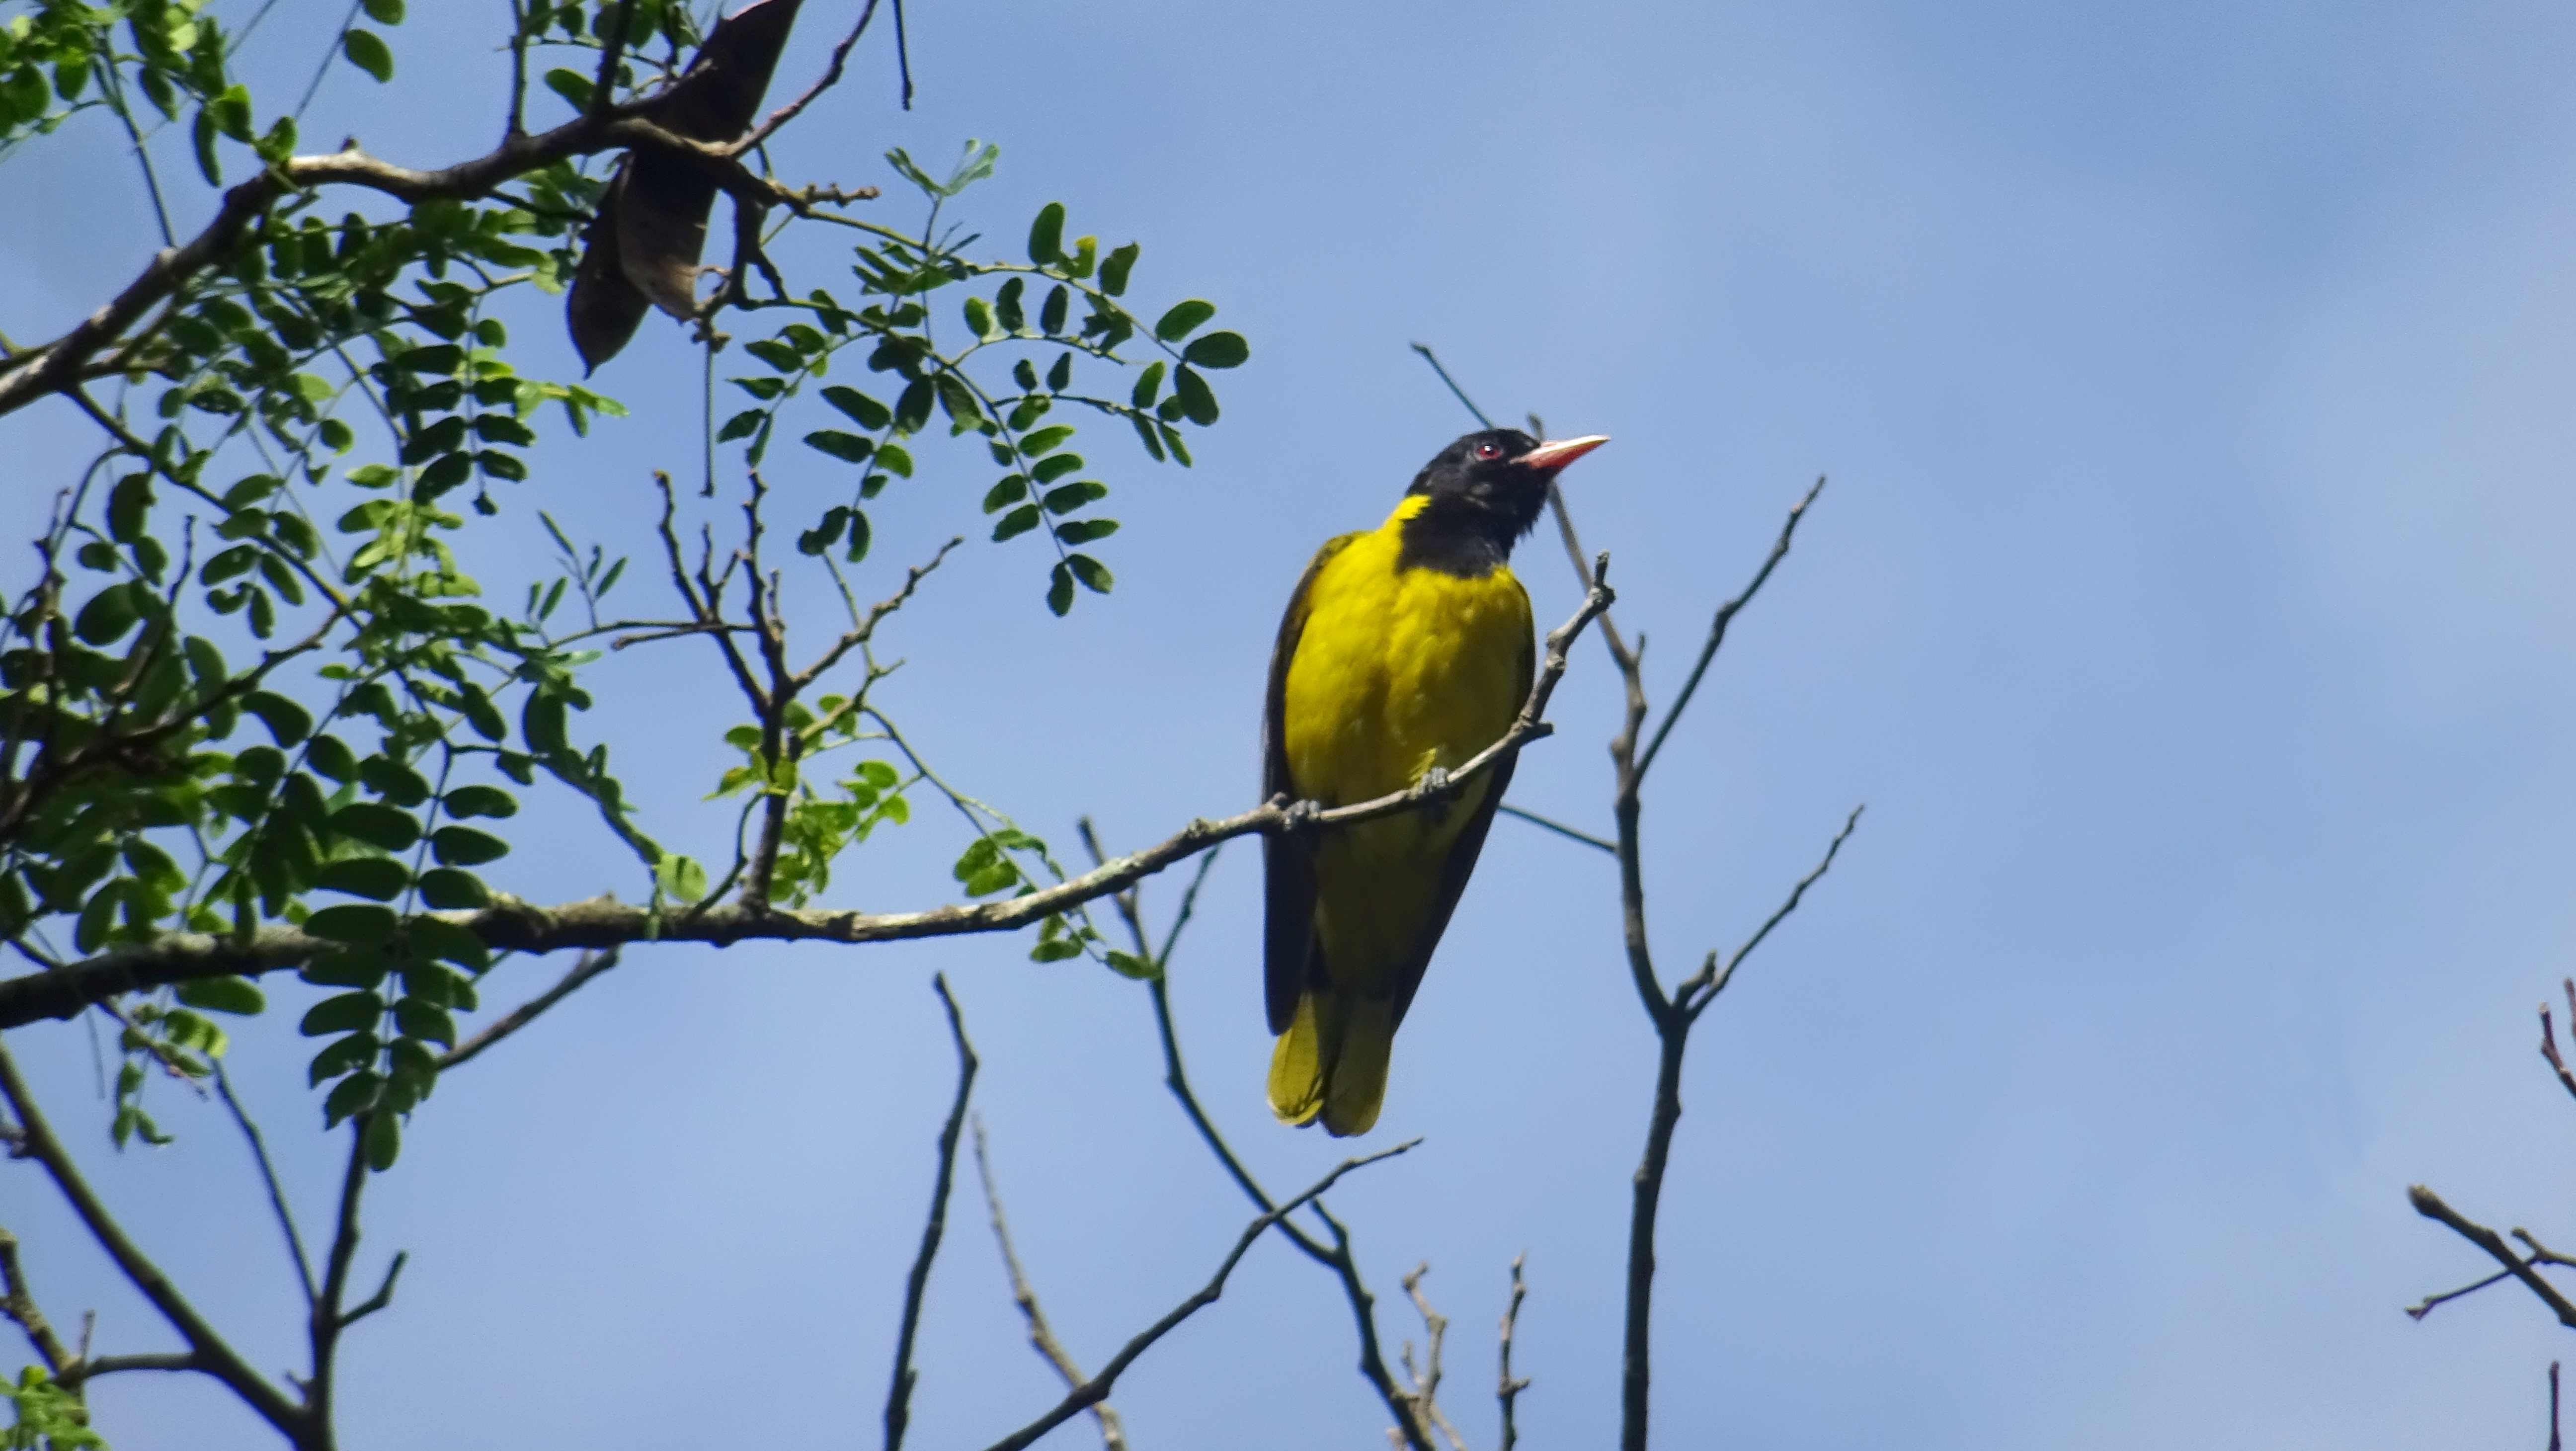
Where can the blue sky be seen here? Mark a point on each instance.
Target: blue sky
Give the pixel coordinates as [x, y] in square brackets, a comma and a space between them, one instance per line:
[2190, 605]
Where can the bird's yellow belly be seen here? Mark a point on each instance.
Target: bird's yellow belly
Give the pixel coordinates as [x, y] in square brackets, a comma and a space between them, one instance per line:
[1397, 671]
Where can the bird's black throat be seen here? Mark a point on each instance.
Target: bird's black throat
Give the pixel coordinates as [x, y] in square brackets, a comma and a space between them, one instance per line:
[1459, 538]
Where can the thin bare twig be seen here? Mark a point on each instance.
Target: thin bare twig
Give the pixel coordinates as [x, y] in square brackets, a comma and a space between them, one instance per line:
[1560, 828]
[1113, 1435]
[898, 1411]
[1426, 1376]
[276, 1191]
[1508, 1390]
[1726, 614]
[2549, 1040]
[1712, 979]
[19, 1304]
[830, 78]
[217, 1358]
[1098, 1387]
[1338, 1258]
[2430, 1205]
[588, 966]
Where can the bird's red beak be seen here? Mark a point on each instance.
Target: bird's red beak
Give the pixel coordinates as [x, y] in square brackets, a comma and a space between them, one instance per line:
[1547, 458]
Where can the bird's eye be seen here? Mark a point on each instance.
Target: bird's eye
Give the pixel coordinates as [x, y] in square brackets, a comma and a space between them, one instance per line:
[1489, 450]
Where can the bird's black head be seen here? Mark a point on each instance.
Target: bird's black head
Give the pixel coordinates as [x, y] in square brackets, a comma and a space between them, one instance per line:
[1484, 493]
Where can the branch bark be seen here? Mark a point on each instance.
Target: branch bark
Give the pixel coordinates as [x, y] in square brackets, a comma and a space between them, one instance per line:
[1097, 1388]
[209, 1349]
[599, 923]
[898, 1412]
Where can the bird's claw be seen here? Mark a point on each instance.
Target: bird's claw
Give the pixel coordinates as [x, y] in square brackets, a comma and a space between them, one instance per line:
[1304, 816]
[1434, 784]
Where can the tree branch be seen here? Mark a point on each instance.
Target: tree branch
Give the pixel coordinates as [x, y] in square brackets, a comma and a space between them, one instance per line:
[1095, 1390]
[1711, 979]
[51, 367]
[276, 1191]
[1113, 1436]
[513, 925]
[1717, 627]
[19, 1304]
[898, 1411]
[1508, 1390]
[2430, 1205]
[588, 966]
[215, 1357]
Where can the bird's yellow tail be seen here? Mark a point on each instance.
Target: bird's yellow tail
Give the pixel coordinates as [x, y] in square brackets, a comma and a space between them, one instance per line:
[1331, 1063]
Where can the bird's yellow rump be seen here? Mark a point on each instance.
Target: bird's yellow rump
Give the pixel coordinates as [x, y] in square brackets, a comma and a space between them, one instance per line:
[1405, 651]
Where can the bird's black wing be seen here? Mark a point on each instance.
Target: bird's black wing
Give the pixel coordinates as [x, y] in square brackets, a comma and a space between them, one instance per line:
[1288, 866]
[1462, 861]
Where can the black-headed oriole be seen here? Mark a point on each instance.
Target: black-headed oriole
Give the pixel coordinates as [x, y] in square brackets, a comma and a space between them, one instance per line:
[1406, 650]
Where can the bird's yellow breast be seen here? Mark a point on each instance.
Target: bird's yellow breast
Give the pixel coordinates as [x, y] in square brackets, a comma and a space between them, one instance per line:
[1397, 670]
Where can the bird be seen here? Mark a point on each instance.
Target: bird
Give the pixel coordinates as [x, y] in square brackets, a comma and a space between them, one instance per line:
[1406, 649]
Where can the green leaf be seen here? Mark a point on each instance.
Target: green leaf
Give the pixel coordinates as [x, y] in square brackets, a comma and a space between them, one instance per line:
[1046, 236]
[847, 447]
[287, 722]
[858, 536]
[425, 1021]
[1069, 497]
[1015, 523]
[1128, 964]
[383, 1141]
[741, 425]
[377, 825]
[356, 923]
[895, 459]
[824, 535]
[107, 616]
[1058, 301]
[1056, 466]
[235, 995]
[355, 1095]
[1094, 575]
[979, 318]
[344, 1055]
[435, 939]
[912, 410]
[572, 85]
[377, 878]
[1198, 404]
[368, 52]
[470, 801]
[1218, 350]
[1114, 269]
[127, 505]
[863, 410]
[344, 1014]
[1183, 318]
[360, 967]
[681, 878]
[1083, 531]
[332, 757]
[384, 12]
[1060, 590]
[463, 846]
[1148, 385]
[1012, 489]
[1046, 440]
[450, 890]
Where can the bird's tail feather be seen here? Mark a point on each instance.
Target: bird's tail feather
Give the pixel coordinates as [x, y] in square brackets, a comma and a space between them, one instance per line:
[1332, 1061]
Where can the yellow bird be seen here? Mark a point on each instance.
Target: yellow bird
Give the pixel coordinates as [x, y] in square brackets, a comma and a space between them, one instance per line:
[1406, 650]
